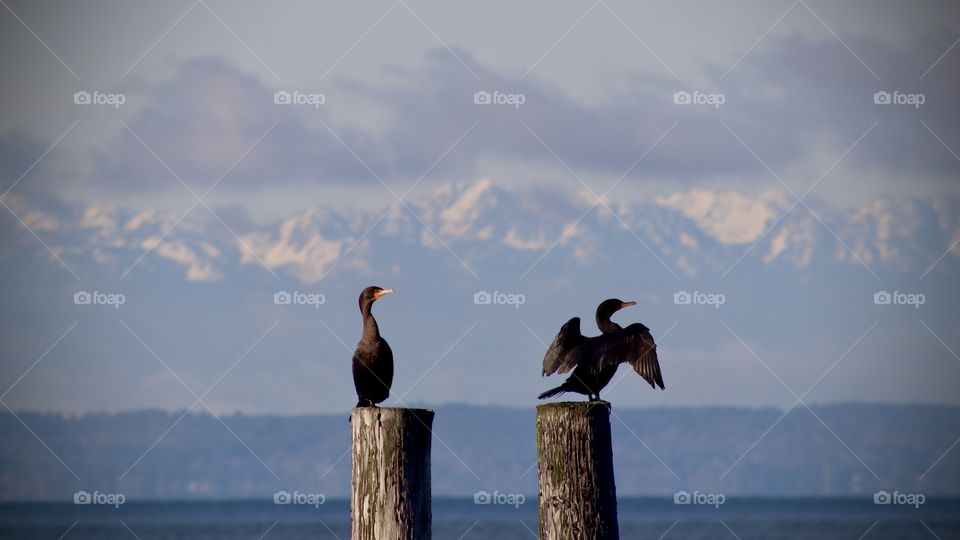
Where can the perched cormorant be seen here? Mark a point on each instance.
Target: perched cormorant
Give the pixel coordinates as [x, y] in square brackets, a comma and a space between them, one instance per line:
[372, 359]
[594, 360]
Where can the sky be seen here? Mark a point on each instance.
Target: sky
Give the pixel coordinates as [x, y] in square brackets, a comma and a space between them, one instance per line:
[786, 160]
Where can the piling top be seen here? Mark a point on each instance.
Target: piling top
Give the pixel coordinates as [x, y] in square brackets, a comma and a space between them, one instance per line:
[582, 407]
[395, 409]
[393, 415]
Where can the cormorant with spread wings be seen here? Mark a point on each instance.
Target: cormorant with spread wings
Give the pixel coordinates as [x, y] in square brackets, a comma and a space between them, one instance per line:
[594, 360]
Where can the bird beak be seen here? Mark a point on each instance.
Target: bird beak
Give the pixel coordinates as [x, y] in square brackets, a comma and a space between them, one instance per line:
[628, 304]
[382, 292]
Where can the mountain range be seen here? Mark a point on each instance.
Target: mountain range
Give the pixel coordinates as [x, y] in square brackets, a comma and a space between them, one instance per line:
[694, 233]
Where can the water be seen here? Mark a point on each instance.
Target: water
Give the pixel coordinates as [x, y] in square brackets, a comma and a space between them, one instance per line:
[745, 518]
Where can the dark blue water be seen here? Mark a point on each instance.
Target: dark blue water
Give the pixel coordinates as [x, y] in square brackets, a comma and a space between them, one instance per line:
[745, 518]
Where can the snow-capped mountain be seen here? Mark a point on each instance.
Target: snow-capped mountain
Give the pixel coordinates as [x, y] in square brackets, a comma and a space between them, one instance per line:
[698, 232]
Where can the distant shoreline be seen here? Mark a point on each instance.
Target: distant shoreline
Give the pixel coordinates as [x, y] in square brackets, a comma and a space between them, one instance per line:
[451, 405]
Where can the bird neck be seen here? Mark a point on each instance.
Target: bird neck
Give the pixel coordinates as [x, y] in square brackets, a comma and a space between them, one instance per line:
[370, 328]
[607, 326]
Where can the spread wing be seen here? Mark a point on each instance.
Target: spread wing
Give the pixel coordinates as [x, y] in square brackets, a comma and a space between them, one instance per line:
[559, 357]
[635, 345]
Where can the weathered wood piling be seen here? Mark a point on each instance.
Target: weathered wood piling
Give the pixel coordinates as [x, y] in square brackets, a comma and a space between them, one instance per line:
[390, 465]
[578, 495]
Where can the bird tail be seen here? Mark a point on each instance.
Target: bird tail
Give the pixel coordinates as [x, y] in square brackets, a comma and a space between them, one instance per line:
[553, 392]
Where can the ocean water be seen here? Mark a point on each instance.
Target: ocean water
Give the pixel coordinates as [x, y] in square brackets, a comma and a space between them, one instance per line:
[744, 518]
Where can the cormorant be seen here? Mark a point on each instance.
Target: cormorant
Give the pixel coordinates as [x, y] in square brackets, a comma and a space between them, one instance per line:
[594, 360]
[372, 359]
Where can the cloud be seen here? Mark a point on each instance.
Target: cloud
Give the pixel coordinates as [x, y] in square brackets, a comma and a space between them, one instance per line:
[206, 117]
[796, 102]
[795, 96]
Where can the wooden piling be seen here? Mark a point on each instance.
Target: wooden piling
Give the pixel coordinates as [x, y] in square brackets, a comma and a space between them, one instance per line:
[390, 465]
[578, 495]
